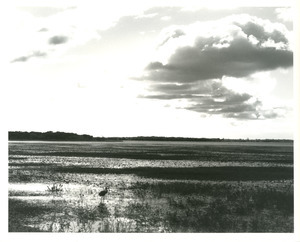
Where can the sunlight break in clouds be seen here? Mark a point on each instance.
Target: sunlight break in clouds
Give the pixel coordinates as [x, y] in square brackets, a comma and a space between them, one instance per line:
[192, 60]
[286, 14]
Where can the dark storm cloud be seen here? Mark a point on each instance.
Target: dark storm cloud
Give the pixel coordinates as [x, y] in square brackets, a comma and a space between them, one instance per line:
[174, 91]
[212, 98]
[206, 61]
[58, 39]
[261, 34]
[167, 96]
[173, 88]
[26, 58]
[244, 46]
[230, 105]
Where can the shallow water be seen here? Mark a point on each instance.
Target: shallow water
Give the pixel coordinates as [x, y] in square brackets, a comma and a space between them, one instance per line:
[128, 163]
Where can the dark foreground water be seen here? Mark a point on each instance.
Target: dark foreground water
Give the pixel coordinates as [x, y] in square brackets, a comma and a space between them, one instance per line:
[192, 186]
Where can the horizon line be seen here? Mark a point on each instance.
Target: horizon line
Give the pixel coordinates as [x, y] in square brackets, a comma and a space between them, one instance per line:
[151, 136]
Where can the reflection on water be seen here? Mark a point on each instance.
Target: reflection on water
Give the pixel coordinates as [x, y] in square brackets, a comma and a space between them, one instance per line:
[129, 163]
[78, 207]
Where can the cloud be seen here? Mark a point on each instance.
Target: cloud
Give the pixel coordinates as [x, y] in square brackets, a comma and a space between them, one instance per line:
[228, 103]
[43, 30]
[172, 33]
[241, 59]
[21, 59]
[58, 39]
[211, 97]
[191, 61]
[51, 30]
[239, 51]
[26, 58]
[43, 11]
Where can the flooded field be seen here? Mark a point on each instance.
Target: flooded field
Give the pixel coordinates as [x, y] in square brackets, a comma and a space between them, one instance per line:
[152, 186]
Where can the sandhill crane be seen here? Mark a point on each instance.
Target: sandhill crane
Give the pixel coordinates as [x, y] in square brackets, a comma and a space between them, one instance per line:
[102, 193]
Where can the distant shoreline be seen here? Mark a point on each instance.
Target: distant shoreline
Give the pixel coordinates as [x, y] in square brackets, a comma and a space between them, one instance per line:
[62, 136]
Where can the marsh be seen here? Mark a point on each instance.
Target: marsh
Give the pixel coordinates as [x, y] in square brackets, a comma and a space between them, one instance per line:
[153, 186]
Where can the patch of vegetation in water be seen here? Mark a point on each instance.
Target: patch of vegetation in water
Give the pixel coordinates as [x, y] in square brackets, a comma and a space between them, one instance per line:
[194, 173]
[220, 208]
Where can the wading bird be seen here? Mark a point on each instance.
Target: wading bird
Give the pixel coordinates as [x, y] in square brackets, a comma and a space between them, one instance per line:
[102, 193]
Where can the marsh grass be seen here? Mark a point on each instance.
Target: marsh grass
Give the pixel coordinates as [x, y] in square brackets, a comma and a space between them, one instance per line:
[195, 173]
[55, 188]
[166, 207]
[221, 207]
[21, 212]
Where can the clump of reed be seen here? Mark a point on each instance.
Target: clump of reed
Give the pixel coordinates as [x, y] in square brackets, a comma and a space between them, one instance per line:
[55, 188]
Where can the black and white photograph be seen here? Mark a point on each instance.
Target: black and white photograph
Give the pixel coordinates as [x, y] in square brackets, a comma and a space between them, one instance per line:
[147, 117]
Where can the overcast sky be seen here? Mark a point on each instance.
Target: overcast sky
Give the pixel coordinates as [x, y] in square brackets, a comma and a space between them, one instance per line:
[143, 68]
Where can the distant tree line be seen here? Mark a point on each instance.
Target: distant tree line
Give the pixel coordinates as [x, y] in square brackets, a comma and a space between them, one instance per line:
[62, 136]
[51, 136]
[159, 138]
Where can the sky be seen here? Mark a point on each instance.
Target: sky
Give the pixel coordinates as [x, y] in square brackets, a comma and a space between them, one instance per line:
[149, 68]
